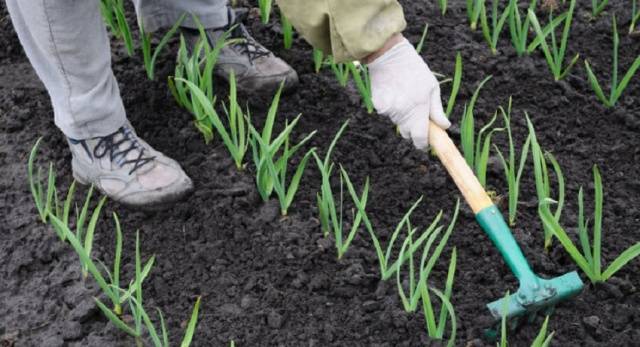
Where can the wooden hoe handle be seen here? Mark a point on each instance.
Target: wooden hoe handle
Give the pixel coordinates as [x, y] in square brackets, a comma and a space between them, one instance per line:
[458, 169]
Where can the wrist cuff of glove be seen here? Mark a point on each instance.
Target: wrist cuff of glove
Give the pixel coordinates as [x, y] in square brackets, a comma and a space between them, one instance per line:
[390, 53]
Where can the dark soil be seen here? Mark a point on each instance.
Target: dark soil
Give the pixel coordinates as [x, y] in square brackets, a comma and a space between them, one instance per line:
[268, 281]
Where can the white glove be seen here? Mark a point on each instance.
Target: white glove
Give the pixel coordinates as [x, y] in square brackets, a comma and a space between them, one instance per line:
[405, 90]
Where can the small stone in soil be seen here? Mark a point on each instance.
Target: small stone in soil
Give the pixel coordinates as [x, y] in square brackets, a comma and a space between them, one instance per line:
[72, 330]
[371, 305]
[230, 309]
[274, 320]
[269, 211]
[246, 302]
[324, 244]
[591, 322]
[381, 290]
[53, 341]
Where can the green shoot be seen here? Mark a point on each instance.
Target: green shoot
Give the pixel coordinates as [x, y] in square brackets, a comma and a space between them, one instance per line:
[113, 14]
[109, 280]
[455, 87]
[474, 9]
[597, 6]
[492, 33]
[635, 16]
[117, 308]
[340, 70]
[286, 191]
[137, 311]
[476, 151]
[67, 204]
[420, 44]
[191, 327]
[542, 180]
[163, 327]
[387, 270]
[550, 27]
[448, 289]
[519, 27]
[513, 177]
[443, 6]
[287, 31]
[467, 127]
[115, 319]
[265, 10]
[543, 340]
[82, 216]
[447, 308]
[483, 146]
[318, 60]
[325, 197]
[85, 258]
[589, 259]
[410, 302]
[271, 171]
[43, 202]
[362, 81]
[331, 216]
[123, 25]
[147, 55]
[48, 204]
[555, 55]
[236, 138]
[343, 245]
[141, 317]
[503, 322]
[616, 88]
[91, 227]
[108, 16]
[197, 68]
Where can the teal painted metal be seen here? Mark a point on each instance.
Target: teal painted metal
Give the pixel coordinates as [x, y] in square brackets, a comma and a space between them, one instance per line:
[534, 293]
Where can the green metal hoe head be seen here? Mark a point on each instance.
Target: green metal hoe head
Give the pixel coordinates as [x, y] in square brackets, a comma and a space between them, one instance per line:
[535, 295]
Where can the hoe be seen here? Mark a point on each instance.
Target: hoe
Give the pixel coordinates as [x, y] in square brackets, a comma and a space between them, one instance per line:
[535, 293]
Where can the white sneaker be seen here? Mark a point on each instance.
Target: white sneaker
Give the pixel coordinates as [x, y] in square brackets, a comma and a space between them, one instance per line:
[128, 170]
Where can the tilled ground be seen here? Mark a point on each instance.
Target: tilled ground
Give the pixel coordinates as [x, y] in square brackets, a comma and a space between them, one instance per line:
[269, 281]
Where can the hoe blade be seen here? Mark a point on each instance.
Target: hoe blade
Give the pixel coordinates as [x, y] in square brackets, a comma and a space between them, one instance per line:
[531, 298]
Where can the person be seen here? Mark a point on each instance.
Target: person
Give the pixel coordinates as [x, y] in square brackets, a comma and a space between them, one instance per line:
[66, 42]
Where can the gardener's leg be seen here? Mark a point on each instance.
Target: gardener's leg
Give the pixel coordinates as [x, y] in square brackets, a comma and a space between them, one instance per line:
[255, 67]
[67, 44]
[156, 14]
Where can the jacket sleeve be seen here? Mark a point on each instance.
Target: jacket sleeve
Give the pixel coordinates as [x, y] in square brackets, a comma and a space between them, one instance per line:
[346, 29]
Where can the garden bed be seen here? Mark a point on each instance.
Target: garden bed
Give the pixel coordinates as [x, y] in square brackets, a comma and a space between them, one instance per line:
[268, 281]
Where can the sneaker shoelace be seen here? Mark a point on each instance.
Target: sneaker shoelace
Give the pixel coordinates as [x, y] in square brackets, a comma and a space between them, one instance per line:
[111, 144]
[246, 44]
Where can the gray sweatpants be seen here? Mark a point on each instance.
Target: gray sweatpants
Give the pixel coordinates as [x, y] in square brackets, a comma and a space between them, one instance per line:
[67, 44]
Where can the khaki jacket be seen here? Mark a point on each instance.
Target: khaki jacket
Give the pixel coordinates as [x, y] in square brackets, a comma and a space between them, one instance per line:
[346, 29]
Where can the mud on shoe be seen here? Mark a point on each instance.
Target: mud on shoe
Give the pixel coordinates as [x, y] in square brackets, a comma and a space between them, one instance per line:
[128, 170]
[256, 68]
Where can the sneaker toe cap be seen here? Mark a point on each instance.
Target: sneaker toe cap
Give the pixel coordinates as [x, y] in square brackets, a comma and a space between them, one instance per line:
[159, 195]
[270, 73]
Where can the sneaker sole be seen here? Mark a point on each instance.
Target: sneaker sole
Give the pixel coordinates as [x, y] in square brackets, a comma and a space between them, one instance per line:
[168, 202]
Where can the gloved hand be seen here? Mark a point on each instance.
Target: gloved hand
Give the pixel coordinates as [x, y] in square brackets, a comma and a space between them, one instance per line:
[405, 90]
